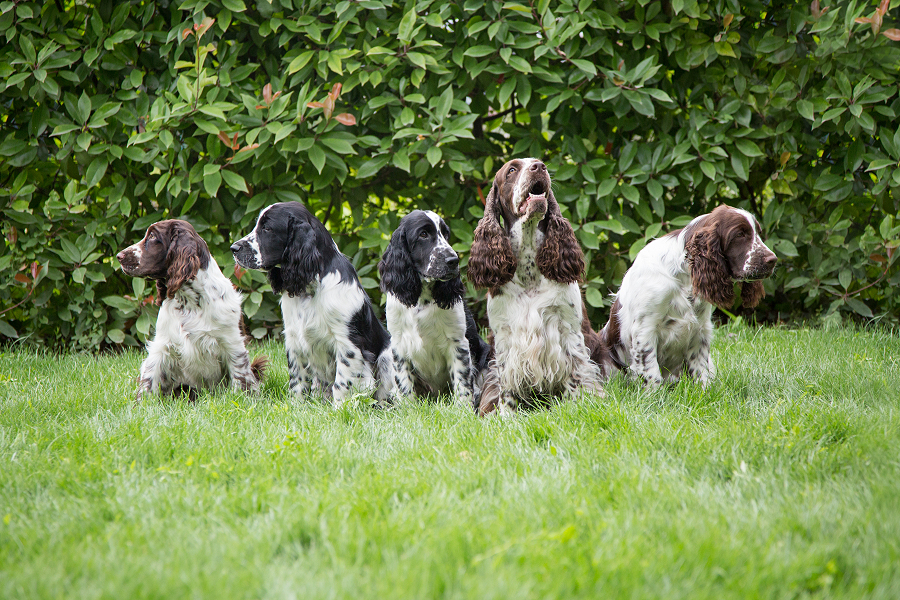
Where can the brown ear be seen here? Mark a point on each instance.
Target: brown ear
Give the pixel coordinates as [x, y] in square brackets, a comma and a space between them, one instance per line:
[560, 257]
[491, 262]
[161, 292]
[183, 259]
[709, 268]
[751, 293]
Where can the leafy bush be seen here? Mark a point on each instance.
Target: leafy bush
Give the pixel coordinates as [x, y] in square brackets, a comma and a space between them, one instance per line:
[116, 115]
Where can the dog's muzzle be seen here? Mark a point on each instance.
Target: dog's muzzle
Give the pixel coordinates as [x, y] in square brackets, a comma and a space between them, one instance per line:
[244, 254]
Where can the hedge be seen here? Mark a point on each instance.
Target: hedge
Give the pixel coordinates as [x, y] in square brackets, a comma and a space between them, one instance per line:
[114, 115]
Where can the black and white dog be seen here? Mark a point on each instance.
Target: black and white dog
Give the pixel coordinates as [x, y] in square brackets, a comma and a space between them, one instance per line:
[334, 341]
[434, 340]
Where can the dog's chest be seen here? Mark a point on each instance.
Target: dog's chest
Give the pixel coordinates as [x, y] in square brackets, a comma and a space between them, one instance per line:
[428, 336]
[525, 239]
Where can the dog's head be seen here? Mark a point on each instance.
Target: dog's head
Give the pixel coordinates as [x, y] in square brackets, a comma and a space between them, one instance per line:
[288, 242]
[521, 193]
[419, 250]
[171, 253]
[726, 246]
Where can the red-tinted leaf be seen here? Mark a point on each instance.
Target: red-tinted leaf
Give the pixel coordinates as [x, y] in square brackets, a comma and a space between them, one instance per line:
[36, 269]
[267, 93]
[275, 95]
[727, 20]
[196, 26]
[22, 278]
[345, 119]
[12, 236]
[205, 24]
[238, 272]
[234, 144]
[863, 20]
[892, 34]
[878, 258]
[621, 64]
[250, 147]
[335, 91]
[609, 148]
[883, 7]
[186, 33]
[814, 9]
[785, 156]
[260, 106]
[328, 107]
[480, 194]
[224, 138]
[314, 105]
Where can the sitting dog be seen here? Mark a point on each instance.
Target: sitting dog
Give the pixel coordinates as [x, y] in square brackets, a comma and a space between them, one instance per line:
[434, 340]
[661, 320]
[334, 341]
[198, 340]
[527, 256]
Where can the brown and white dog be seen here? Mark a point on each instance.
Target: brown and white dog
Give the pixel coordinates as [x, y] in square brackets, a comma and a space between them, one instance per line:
[660, 322]
[198, 341]
[527, 256]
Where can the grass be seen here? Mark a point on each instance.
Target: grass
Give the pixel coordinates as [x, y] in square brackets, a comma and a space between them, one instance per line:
[780, 481]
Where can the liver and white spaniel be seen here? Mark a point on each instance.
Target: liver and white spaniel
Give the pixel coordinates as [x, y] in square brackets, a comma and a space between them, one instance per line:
[661, 322]
[526, 254]
[434, 340]
[334, 341]
[198, 341]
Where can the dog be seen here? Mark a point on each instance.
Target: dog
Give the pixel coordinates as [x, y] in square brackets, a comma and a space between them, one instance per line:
[434, 339]
[334, 341]
[661, 320]
[527, 256]
[198, 341]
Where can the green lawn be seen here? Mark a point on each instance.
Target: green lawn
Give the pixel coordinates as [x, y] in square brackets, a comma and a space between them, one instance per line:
[780, 481]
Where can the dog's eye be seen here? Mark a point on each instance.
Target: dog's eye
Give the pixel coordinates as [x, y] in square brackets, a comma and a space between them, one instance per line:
[511, 171]
[423, 235]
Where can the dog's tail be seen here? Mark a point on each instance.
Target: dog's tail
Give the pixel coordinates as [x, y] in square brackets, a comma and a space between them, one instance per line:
[258, 367]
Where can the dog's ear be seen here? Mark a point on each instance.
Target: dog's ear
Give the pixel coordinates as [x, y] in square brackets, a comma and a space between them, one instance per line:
[447, 293]
[560, 257]
[302, 259]
[491, 262]
[709, 268]
[183, 259]
[274, 277]
[751, 293]
[399, 276]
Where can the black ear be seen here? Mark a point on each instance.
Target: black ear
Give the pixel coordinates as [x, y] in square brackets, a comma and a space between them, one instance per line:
[302, 259]
[399, 275]
[491, 261]
[447, 293]
[274, 275]
[162, 292]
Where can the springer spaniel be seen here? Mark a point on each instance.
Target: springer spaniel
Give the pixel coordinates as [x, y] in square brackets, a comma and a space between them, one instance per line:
[661, 320]
[198, 340]
[526, 254]
[332, 336]
[434, 339]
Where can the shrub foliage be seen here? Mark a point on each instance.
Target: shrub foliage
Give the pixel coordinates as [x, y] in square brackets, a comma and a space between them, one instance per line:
[114, 115]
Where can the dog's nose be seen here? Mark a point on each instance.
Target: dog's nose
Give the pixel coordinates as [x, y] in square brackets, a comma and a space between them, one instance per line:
[771, 261]
[537, 166]
[452, 262]
[235, 247]
[120, 255]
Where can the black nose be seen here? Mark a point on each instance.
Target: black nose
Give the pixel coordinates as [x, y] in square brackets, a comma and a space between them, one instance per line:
[537, 166]
[235, 247]
[452, 262]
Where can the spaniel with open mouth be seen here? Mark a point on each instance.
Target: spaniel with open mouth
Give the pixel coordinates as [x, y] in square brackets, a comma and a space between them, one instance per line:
[334, 341]
[527, 256]
[661, 321]
[434, 339]
[198, 341]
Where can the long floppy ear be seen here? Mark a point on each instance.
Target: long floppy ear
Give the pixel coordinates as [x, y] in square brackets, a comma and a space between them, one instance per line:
[182, 260]
[301, 260]
[709, 268]
[447, 293]
[274, 277]
[491, 262]
[751, 293]
[560, 257]
[399, 275]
